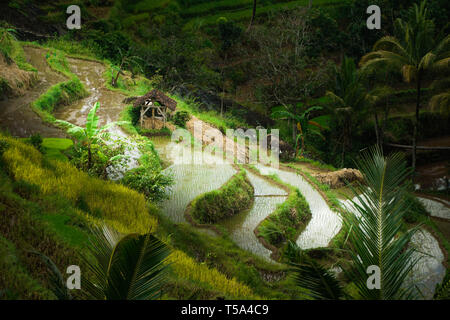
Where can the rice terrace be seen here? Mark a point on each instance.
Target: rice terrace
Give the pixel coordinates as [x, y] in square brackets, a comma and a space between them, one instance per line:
[257, 150]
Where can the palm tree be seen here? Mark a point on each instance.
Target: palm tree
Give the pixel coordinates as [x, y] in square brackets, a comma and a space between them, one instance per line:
[379, 206]
[121, 267]
[348, 102]
[378, 101]
[304, 125]
[415, 52]
[130, 267]
[374, 238]
[91, 134]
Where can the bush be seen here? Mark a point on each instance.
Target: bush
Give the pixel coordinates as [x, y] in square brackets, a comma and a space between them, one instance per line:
[153, 184]
[233, 197]
[36, 141]
[180, 118]
[416, 211]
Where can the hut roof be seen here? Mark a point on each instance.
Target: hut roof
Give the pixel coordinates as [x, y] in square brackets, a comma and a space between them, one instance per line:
[156, 96]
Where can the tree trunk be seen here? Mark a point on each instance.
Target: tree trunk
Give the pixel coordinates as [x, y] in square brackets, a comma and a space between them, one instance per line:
[377, 130]
[416, 124]
[89, 157]
[114, 80]
[310, 4]
[253, 15]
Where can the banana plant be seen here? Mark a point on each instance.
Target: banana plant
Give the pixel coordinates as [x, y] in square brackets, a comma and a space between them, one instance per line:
[304, 125]
[92, 133]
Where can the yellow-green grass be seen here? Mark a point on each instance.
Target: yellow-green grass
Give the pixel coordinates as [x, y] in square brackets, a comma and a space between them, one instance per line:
[187, 268]
[124, 209]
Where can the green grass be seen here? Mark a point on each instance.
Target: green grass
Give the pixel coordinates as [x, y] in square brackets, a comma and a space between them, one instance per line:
[54, 147]
[246, 13]
[287, 221]
[214, 118]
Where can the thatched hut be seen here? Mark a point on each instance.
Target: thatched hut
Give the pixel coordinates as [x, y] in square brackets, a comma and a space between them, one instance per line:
[160, 105]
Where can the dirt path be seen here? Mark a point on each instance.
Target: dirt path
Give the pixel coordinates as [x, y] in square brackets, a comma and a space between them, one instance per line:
[16, 115]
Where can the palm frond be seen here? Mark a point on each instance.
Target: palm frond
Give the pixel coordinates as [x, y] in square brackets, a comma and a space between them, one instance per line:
[125, 267]
[56, 280]
[317, 282]
[376, 221]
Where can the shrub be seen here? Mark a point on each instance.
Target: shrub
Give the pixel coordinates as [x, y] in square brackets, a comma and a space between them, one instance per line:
[152, 184]
[180, 118]
[36, 141]
[233, 197]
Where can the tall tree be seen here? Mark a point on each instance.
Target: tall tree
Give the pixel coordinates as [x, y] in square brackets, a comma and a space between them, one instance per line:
[415, 51]
[348, 103]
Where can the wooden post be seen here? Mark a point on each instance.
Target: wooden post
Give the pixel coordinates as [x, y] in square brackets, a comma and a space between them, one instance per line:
[142, 116]
[153, 118]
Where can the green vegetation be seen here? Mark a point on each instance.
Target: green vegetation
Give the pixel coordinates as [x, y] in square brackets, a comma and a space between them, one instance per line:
[287, 221]
[233, 197]
[62, 93]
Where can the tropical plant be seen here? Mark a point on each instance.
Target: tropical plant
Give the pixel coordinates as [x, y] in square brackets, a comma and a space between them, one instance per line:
[92, 133]
[379, 207]
[348, 103]
[318, 282]
[415, 51]
[374, 221]
[304, 125]
[379, 102]
[125, 267]
[133, 62]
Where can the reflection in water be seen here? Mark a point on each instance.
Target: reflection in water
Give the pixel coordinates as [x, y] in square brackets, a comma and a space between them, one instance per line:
[241, 226]
[433, 176]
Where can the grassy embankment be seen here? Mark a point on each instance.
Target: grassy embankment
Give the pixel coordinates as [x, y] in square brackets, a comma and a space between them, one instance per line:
[235, 196]
[288, 220]
[16, 74]
[47, 206]
[62, 93]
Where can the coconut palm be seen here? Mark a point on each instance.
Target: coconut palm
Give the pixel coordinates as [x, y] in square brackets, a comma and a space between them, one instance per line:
[379, 206]
[304, 125]
[374, 239]
[92, 133]
[415, 51]
[125, 267]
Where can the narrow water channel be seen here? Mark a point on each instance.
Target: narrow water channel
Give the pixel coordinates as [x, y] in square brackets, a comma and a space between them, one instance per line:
[324, 223]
